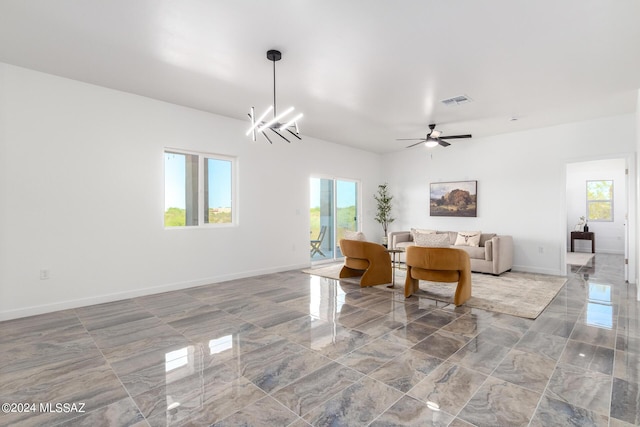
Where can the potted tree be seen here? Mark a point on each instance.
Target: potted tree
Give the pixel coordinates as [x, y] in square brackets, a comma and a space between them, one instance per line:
[383, 215]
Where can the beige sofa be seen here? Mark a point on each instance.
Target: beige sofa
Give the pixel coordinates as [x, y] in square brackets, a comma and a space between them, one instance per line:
[493, 255]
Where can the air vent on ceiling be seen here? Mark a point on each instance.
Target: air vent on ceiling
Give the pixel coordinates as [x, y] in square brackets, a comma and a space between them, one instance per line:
[456, 100]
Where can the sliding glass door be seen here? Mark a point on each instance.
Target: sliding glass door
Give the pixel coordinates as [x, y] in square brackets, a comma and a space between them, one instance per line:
[333, 209]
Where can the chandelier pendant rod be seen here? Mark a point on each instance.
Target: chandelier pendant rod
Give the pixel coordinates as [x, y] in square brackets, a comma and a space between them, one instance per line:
[260, 126]
[274, 89]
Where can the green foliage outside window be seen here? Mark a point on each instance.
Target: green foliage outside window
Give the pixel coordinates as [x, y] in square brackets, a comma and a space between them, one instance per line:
[600, 200]
[346, 220]
[176, 217]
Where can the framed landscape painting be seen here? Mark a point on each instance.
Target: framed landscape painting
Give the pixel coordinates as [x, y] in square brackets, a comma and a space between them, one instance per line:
[458, 198]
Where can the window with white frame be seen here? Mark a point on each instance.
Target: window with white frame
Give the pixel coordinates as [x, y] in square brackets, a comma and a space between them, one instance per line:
[600, 200]
[198, 189]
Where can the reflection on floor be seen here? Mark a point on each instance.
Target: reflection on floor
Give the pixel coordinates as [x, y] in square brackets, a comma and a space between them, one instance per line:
[293, 349]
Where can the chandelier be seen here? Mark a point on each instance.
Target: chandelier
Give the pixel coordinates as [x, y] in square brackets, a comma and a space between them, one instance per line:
[281, 122]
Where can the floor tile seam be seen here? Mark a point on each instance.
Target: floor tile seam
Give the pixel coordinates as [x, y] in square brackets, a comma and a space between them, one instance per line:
[266, 396]
[143, 319]
[108, 363]
[544, 394]
[390, 406]
[380, 338]
[451, 362]
[579, 405]
[457, 414]
[590, 343]
[140, 302]
[406, 350]
[613, 374]
[93, 340]
[351, 385]
[155, 339]
[490, 375]
[47, 368]
[378, 318]
[9, 366]
[615, 359]
[303, 348]
[128, 392]
[453, 417]
[347, 329]
[613, 367]
[412, 347]
[266, 317]
[273, 392]
[533, 412]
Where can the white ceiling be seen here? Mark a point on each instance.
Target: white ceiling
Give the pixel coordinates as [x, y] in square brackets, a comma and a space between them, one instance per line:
[364, 72]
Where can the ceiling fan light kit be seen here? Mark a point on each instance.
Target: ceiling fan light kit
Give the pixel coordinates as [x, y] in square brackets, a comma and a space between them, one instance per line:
[259, 125]
[431, 143]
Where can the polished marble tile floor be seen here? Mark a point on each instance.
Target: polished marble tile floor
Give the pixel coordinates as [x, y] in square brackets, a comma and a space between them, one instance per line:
[289, 349]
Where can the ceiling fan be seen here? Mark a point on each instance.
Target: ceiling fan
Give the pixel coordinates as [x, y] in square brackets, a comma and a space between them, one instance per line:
[433, 138]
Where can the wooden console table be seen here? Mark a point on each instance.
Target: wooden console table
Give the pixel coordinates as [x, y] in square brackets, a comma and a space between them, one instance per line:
[584, 235]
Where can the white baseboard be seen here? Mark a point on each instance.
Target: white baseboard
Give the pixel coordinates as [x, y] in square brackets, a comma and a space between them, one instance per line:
[536, 270]
[167, 287]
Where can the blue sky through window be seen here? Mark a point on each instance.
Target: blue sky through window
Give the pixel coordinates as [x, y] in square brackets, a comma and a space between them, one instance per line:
[219, 183]
[175, 181]
[346, 193]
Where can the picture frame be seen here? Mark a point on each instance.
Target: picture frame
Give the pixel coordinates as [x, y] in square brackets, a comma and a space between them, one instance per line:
[456, 198]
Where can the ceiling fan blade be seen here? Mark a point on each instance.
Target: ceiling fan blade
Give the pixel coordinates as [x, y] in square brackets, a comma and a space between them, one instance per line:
[443, 143]
[417, 143]
[455, 136]
[410, 139]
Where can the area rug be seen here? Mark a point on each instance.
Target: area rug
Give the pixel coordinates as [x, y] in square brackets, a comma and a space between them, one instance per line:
[578, 258]
[517, 294]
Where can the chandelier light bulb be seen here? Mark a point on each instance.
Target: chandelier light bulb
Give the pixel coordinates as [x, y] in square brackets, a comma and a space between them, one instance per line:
[257, 122]
[292, 121]
[275, 119]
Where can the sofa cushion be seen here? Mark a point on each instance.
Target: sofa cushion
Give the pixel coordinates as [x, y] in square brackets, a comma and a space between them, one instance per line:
[432, 240]
[404, 245]
[474, 252]
[485, 237]
[468, 238]
[355, 235]
[421, 230]
[452, 236]
[488, 250]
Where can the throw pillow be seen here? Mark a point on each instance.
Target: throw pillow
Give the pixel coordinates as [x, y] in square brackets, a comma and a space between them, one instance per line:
[354, 235]
[468, 238]
[432, 240]
[420, 230]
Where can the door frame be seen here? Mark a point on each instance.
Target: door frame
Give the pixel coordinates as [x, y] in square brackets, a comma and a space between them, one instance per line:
[334, 228]
[630, 249]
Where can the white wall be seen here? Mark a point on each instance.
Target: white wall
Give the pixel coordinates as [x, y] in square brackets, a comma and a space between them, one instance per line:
[610, 236]
[521, 183]
[81, 185]
[634, 212]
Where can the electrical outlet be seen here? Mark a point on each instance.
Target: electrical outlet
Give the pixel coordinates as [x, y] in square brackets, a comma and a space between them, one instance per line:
[44, 274]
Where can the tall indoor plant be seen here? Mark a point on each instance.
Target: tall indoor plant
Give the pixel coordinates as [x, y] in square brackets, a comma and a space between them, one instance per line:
[383, 213]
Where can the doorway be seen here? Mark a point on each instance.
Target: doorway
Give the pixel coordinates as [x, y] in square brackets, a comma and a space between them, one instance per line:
[333, 209]
[611, 231]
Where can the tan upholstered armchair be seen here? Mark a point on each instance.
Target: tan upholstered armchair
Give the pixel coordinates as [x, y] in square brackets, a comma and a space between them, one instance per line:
[439, 265]
[367, 259]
